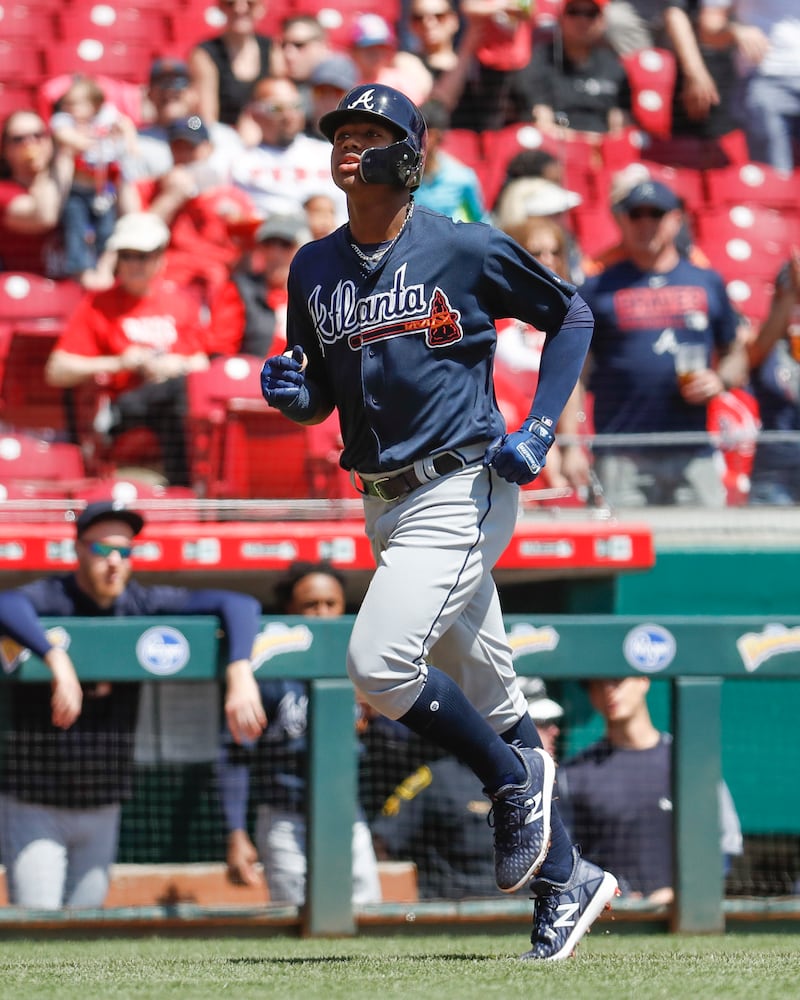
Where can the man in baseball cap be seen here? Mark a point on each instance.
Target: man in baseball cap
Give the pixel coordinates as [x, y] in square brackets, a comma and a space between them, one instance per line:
[108, 510]
[68, 746]
[649, 194]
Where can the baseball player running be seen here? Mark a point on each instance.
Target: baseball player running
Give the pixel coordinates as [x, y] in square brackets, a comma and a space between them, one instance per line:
[391, 321]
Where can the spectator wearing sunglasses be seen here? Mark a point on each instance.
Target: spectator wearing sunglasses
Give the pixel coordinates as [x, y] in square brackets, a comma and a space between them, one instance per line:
[286, 166]
[34, 183]
[303, 46]
[574, 80]
[224, 68]
[135, 343]
[68, 753]
[435, 25]
[647, 306]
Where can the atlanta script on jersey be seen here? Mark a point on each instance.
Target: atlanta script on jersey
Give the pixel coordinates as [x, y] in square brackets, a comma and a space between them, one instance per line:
[409, 373]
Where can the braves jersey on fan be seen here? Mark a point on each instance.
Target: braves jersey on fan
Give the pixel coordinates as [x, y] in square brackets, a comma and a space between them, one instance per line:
[639, 321]
[409, 373]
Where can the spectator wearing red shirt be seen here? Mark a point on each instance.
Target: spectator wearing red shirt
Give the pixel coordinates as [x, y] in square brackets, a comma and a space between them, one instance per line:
[202, 208]
[139, 339]
[33, 185]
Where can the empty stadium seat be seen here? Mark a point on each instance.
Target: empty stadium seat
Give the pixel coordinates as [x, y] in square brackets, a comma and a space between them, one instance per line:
[21, 62]
[26, 22]
[132, 24]
[115, 58]
[595, 228]
[34, 467]
[15, 98]
[754, 183]
[746, 241]
[240, 447]
[759, 234]
[32, 300]
[651, 73]
[27, 402]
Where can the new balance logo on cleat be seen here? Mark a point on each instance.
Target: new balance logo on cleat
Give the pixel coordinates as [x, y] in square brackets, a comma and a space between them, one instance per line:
[536, 808]
[562, 914]
[567, 911]
[521, 818]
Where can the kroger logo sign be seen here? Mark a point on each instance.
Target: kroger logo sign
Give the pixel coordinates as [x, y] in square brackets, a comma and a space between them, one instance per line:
[162, 650]
[649, 648]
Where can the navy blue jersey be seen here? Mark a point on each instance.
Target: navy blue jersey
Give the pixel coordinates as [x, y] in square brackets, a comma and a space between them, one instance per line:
[405, 353]
[640, 317]
[91, 763]
[618, 804]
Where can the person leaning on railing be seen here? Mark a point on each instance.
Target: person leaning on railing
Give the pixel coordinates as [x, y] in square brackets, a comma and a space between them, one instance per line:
[67, 755]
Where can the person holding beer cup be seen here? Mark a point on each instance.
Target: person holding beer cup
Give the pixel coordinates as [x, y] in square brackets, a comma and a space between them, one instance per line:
[666, 342]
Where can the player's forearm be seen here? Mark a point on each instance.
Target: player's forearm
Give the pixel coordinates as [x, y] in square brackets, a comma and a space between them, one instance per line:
[19, 621]
[563, 359]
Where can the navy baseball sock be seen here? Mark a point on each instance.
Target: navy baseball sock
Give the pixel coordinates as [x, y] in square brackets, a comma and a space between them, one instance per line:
[443, 714]
[558, 863]
[523, 731]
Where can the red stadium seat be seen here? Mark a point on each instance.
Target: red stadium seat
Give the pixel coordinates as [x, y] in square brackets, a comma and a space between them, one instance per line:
[751, 295]
[21, 62]
[239, 447]
[746, 240]
[15, 98]
[33, 467]
[651, 74]
[595, 228]
[131, 24]
[33, 300]
[26, 401]
[117, 59]
[754, 183]
[465, 145]
[27, 22]
[768, 230]
[580, 158]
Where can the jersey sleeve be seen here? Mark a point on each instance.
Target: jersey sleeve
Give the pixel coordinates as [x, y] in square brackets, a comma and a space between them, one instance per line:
[522, 287]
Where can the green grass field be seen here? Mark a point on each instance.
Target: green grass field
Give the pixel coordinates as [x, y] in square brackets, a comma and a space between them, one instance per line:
[439, 967]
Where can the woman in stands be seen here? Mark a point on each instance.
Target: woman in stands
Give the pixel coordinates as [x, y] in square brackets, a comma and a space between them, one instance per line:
[224, 68]
[34, 182]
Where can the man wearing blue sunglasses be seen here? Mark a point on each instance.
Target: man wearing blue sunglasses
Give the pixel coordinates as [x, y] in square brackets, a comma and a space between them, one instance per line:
[67, 755]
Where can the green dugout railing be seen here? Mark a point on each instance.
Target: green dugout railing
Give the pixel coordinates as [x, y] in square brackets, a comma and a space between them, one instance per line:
[696, 654]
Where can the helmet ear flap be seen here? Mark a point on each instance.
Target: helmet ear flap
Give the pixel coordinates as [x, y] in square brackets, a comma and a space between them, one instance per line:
[398, 164]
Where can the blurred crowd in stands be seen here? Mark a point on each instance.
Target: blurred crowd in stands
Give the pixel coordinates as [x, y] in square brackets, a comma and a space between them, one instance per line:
[160, 167]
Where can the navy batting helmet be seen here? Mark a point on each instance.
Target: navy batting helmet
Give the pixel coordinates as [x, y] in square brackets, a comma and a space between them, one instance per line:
[401, 163]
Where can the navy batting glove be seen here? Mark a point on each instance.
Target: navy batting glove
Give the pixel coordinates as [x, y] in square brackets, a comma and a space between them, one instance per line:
[521, 456]
[283, 383]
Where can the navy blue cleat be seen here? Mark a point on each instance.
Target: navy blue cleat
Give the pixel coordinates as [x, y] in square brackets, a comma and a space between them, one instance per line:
[563, 913]
[521, 819]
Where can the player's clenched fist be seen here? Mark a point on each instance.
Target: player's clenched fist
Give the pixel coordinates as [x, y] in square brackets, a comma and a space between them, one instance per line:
[521, 456]
[283, 382]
